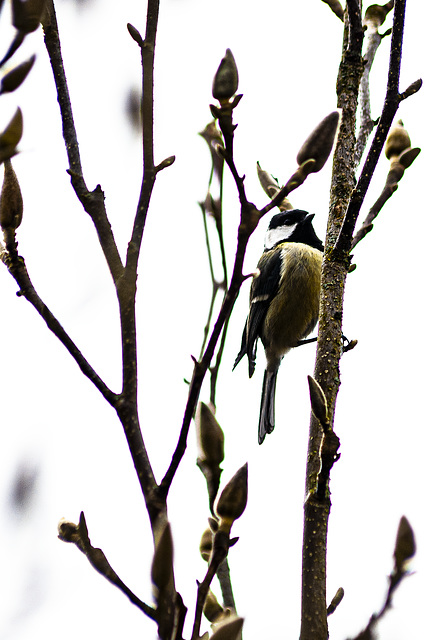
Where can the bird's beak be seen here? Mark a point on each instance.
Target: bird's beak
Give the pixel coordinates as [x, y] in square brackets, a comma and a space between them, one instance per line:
[309, 217]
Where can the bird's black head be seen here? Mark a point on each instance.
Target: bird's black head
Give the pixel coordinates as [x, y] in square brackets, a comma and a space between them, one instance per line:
[293, 225]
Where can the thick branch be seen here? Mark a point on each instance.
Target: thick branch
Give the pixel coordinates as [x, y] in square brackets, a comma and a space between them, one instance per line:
[314, 611]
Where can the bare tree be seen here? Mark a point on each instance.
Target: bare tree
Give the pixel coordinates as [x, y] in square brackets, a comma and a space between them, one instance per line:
[350, 182]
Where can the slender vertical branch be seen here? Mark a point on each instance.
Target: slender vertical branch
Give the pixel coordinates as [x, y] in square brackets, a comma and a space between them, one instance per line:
[391, 104]
[92, 201]
[248, 223]
[147, 48]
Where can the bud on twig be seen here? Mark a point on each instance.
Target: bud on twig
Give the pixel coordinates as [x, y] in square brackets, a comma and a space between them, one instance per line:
[212, 609]
[210, 437]
[162, 564]
[11, 205]
[318, 401]
[225, 82]
[397, 141]
[230, 630]
[376, 14]
[210, 441]
[68, 531]
[271, 187]
[233, 499]
[26, 14]
[405, 546]
[10, 137]
[206, 544]
[16, 76]
[319, 143]
[336, 600]
[407, 157]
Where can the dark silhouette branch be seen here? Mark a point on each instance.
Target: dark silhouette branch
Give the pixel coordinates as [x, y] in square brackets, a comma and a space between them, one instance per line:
[92, 201]
[16, 267]
[395, 174]
[78, 535]
[248, 223]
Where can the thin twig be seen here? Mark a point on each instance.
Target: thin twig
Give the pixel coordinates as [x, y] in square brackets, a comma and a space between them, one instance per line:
[92, 201]
[367, 124]
[16, 267]
[391, 104]
[78, 534]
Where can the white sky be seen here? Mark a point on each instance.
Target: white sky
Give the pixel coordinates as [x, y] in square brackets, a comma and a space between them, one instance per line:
[52, 418]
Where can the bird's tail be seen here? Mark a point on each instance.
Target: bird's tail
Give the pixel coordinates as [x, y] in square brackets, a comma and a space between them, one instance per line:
[266, 416]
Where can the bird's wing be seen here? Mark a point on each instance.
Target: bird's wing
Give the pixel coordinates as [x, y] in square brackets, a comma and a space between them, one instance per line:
[265, 286]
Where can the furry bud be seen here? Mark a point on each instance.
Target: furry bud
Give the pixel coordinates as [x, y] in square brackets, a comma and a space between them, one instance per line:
[319, 143]
[405, 546]
[11, 205]
[397, 141]
[26, 15]
[233, 499]
[16, 76]
[162, 563]
[225, 82]
[10, 137]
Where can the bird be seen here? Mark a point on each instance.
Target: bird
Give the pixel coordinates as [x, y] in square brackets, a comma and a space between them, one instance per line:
[284, 300]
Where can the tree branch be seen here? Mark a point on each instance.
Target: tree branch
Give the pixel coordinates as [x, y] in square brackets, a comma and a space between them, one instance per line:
[16, 267]
[329, 350]
[78, 534]
[92, 201]
[391, 103]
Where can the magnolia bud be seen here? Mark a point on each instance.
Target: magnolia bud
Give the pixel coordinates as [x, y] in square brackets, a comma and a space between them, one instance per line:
[225, 82]
[397, 141]
[26, 14]
[210, 436]
[229, 630]
[10, 137]
[318, 401]
[405, 546]
[162, 563]
[336, 600]
[212, 609]
[11, 205]
[206, 544]
[271, 187]
[68, 531]
[319, 143]
[16, 76]
[407, 157]
[376, 14]
[233, 498]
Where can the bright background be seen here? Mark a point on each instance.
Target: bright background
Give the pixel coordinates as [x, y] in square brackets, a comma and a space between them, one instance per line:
[55, 425]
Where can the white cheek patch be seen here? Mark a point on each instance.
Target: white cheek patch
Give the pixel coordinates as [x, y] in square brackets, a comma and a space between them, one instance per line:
[279, 234]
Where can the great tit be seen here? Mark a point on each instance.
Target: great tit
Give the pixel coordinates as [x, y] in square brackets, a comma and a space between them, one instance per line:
[284, 300]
